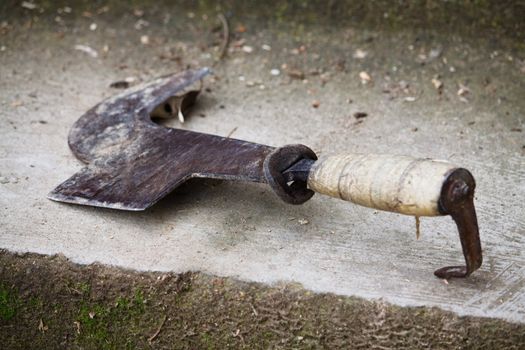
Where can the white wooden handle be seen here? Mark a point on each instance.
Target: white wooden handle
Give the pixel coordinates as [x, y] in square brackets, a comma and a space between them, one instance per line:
[400, 184]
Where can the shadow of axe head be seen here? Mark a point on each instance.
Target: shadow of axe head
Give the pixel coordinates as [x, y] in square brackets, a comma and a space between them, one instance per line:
[133, 162]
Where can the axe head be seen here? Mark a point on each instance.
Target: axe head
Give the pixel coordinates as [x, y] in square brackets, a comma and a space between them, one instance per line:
[133, 162]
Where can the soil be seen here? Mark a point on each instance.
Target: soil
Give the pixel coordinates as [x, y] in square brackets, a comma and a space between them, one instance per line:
[50, 303]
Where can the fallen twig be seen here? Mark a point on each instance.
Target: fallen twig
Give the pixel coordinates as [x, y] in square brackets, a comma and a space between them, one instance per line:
[254, 311]
[418, 224]
[231, 132]
[225, 36]
[150, 339]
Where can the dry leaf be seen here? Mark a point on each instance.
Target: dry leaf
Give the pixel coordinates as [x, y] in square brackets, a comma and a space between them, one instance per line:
[438, 84]
[295, 74]
[77, 324]
[303, 222]
[41, 327]
[463, 90]
[240, 29]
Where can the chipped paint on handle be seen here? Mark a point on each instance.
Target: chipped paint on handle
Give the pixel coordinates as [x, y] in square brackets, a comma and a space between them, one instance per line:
[400, 184]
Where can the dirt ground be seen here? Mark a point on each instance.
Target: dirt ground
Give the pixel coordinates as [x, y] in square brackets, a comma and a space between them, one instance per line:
[49, 303]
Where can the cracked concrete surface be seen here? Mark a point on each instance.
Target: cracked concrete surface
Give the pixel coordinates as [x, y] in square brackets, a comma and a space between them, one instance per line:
[475, 119]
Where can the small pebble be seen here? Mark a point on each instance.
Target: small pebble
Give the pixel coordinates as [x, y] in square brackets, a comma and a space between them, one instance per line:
[360, 54]
[144, 39]
[275, 72]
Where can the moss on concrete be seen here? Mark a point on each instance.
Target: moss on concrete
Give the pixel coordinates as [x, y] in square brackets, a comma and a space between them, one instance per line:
[8, 303]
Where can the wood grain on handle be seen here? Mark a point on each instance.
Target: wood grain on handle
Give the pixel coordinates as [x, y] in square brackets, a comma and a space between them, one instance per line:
[400, 184]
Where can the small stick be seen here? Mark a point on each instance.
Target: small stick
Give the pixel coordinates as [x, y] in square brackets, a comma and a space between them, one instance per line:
[254, 311]
[225, 36]
[231, 132]
[150, 339]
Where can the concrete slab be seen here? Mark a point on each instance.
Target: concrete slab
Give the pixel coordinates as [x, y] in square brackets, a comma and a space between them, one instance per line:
[244, 230]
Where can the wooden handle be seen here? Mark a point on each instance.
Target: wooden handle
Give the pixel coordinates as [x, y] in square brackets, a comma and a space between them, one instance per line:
[400, 184]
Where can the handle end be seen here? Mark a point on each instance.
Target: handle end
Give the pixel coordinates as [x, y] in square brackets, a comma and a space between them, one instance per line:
[457, 200]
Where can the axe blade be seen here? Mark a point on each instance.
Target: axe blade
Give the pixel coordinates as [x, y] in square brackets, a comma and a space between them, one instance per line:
[133, 162]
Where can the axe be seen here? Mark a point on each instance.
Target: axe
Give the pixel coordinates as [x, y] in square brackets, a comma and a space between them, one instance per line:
[132, 162]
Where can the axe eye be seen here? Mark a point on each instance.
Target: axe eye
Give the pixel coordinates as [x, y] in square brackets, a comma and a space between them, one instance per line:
[167, 108]
[175, 106]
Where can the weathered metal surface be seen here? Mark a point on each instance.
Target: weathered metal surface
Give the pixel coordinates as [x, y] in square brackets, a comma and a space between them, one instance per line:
[133, 162]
